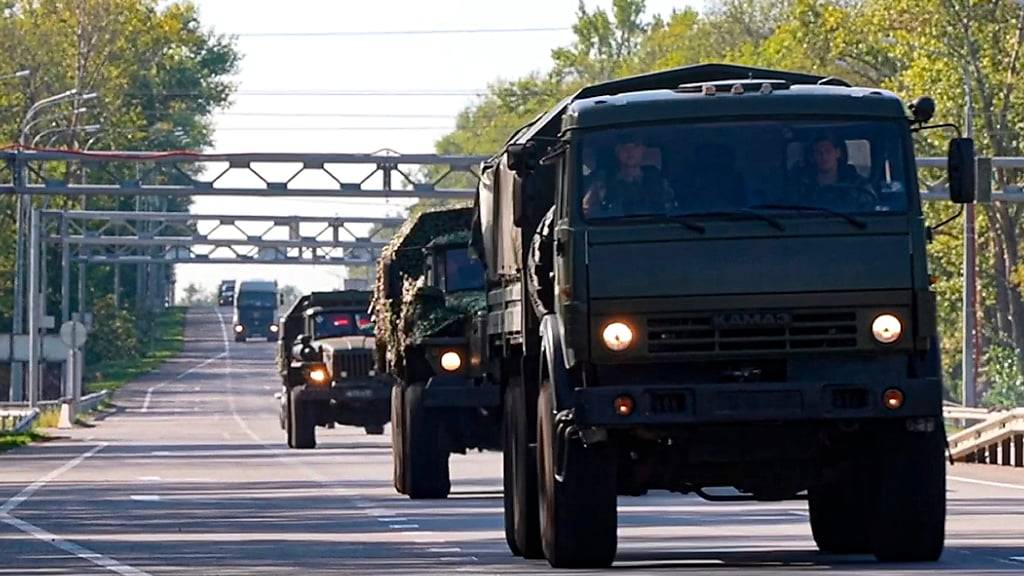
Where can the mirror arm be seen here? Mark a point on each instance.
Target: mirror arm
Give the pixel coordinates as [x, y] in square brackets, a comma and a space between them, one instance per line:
[922, 128]
[948, 220]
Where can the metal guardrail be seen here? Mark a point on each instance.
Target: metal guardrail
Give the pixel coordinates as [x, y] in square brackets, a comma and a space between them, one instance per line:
[19, 418]
[998, 439]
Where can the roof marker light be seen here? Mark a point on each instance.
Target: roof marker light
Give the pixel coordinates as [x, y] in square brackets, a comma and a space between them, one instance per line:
[766, 88]
[737, 89]
[708, 90]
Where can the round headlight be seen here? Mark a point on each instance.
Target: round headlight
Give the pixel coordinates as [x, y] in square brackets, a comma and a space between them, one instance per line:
[617, 336]
[273, 327]
[451, 361]
[239, 328]
[318, 375]
[887, 328]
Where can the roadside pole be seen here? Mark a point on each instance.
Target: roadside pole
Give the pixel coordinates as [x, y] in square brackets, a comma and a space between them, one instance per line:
[33, 309]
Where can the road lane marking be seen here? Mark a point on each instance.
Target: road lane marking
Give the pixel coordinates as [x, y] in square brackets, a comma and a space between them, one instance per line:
[986, 483]
[151, 389]
[32, 488]
[1017, 558]
[403, 526]
[799, 513]
[144, 497]
[71, 548]
[149, 478]
[52, 539]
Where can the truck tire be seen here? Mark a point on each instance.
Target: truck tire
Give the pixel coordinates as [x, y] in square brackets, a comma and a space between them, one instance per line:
[239, 338]
[522, 520]
[289, 430]
[398, 437]
[375, 430]
[839, 513]
[578, 515]
[908, 523]
[303, 424]
[426, 456]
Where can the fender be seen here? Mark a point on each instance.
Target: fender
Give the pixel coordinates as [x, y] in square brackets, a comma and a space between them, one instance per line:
[553, 357]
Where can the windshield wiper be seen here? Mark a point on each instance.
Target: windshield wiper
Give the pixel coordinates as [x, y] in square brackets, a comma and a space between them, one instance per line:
[773, 222]
[682, 220]
[857, 222]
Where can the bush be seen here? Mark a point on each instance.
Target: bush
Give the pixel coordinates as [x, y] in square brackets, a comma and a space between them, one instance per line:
[114, 336]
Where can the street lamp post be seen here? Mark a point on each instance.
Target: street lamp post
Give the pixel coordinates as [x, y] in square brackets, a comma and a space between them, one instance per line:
[22, 216]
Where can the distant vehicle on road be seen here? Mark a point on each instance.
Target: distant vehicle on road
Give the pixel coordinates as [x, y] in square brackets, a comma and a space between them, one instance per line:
[255, 315]
[325, 358]
[226, 293]
[427, 307]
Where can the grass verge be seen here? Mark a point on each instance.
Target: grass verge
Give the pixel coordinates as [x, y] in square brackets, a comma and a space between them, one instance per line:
[168, 332]
[8, 441]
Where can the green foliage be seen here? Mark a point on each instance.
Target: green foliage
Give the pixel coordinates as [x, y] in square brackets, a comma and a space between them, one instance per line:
[1004, 375]
[9, 441]
[168, 337]
[114, 336]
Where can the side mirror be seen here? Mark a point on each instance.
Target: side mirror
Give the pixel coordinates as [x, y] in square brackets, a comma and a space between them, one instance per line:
[521, 158]
[960, 168]
[517, 203]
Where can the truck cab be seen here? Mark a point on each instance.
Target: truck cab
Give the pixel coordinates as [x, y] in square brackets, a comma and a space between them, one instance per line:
[326, 362]
[255, 310]
[728, 289]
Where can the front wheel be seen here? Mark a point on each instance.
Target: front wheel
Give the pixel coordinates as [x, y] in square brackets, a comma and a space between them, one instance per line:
[839, 511]
[303, 423]
[578, 516]
[425, 455]
[398, 438]
[909, 511]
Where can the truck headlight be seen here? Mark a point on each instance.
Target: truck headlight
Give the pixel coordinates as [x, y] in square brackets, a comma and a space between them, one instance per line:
[273, 328]
[239, 328]
[451, 361]
[317, 375]
[617, 336]
[886, 328]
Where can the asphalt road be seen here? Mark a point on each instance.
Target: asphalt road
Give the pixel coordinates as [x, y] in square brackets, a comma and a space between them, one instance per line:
[190, 475]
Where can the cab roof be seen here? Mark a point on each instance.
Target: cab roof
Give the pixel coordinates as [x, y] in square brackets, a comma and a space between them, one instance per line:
[652, 96]
[677, 104]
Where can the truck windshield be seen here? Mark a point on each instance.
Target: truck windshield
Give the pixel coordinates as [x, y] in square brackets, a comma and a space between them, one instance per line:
[256, 300]
[722, 167]
[460, 271]
[334, 324]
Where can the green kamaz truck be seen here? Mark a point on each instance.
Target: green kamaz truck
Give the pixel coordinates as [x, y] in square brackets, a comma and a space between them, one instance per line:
[429, 306]
[713, 280]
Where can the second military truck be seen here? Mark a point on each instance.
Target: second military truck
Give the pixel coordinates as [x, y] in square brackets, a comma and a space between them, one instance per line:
[255, 310]
[429, 307]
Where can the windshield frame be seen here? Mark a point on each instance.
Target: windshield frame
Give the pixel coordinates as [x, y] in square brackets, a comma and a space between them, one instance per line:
[573, 191]
[240, 296]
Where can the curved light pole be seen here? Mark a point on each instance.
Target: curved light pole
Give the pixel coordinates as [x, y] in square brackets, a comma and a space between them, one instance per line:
[88, 128]
[18, 74]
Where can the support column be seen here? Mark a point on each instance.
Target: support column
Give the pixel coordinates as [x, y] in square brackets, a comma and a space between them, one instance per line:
[993, 453]
[65, 272]
[1006, 453]
[83, 271]
[1018, 450]
[17, 393]
[33, 309]
[117, 285]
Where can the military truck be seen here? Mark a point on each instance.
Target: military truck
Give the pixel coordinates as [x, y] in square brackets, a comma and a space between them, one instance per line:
[255, 310]
[428, 307]
[712, 280]
[326, 361]
[226, 293]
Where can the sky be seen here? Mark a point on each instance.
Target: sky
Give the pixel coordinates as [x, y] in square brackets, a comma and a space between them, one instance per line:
[457, 65]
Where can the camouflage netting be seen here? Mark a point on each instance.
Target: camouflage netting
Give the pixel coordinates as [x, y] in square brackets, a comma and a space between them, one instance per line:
[400, 295]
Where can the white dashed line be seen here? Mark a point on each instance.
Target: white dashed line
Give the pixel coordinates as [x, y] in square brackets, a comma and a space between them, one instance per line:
[144, 497]
[1017, 558]
[149, 478]
[403, 526]
[986, 483]
[151, 389]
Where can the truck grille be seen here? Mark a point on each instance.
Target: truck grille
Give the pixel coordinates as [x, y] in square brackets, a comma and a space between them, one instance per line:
[353, 363]
[824, 330]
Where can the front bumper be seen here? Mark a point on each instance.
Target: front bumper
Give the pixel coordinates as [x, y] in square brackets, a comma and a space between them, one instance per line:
[355, 392]
[453, 391]
[762, 401]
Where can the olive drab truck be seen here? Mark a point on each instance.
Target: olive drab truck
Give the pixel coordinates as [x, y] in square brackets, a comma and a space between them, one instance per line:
[712, 280]
[428, 307]
[325, 357]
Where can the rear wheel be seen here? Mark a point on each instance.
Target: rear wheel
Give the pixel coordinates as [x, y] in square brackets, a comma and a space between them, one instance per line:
[303, 423]
[426, 456]
[398, 438]
[909, 505]
[376, 430]
[522, 523]
[578, 516]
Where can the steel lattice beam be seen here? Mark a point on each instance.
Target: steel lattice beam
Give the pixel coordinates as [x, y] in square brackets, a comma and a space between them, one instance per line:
[384, 175]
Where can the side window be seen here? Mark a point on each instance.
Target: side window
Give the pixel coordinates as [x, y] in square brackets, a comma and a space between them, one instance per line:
[440, 267]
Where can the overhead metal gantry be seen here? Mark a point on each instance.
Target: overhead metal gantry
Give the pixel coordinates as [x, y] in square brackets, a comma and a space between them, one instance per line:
[384, 174]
